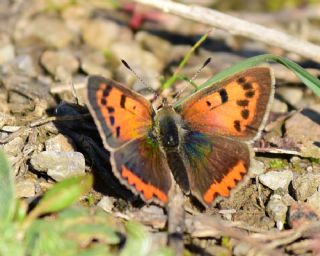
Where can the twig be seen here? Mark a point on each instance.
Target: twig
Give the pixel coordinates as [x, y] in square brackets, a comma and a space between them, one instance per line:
[277, 151]
[176, 218]
[213, 226]
[45, 120]
[238, 26]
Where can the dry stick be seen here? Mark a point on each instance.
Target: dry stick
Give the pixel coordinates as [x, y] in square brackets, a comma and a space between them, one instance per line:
[238, 26]
[176, 218]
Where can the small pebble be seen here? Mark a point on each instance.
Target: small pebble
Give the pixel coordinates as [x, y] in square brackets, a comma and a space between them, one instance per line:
[59, 165]
[25, 188]
[59, 143]
[277, 179]
[306, 185]
[277, 209]
[279, 106]
[14, 147]
[291, 95]
[106, 203]
[314, 200]
[61, 64]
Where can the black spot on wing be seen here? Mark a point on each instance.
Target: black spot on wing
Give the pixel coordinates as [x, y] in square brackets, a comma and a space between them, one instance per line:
[208, 103]
[247, 86]
[241, 80]
[123, 101]
[224, 95]
[237, 126]
[249, 94]
[111, 118]
[118, 131]
[107, 90]
[110, 110]
[242, 103]
[245, 113]
[103, 101]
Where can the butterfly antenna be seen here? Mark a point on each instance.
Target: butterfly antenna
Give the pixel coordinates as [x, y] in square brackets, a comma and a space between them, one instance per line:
[201, 68]
[208, 60]
[139, 78]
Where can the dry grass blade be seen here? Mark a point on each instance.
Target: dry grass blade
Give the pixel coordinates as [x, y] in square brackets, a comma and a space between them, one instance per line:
[238, 26]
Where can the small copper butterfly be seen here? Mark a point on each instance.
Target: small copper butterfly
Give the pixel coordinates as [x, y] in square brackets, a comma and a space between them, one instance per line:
[202, 144]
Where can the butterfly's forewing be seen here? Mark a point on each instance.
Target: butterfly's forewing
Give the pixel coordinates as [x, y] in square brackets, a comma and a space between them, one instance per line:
[141, 165]
[234, 107]
[124, 119]
[215, 165]
[120, 114]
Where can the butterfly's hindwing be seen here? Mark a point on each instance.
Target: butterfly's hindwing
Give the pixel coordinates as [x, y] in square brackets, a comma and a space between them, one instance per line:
[142, 166]
[215, 165]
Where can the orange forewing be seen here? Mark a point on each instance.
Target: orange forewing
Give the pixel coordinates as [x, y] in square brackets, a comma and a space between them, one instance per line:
[235, 107]
[121, 114]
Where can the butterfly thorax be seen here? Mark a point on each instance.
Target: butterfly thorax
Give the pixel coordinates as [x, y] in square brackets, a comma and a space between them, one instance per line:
[168, 126]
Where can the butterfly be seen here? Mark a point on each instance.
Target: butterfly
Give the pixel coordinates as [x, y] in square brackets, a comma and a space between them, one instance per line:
[202, 144]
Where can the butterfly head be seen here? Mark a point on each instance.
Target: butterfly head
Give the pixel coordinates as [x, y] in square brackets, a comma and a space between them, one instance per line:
[168, 124]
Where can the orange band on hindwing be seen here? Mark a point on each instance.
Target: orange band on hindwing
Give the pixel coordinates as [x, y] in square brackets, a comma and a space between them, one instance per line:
[226, 184]
[148, 190]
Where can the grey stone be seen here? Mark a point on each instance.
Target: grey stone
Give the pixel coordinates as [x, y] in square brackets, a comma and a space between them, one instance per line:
[277, 209]
[314, 200]
[59, 165]
[25, 188]
[26, 64]
[279, 106]
[101, 34]
[301, 129]
[291, 95]
[306, 185]
[257, 167]
[106, 203]
[158, 46]
[144, 63]
[59, 143]
[14, 147]
[49, 30]
[277, 179]
[61, 64]
[6, 53]
[7, 50]
[94, 63]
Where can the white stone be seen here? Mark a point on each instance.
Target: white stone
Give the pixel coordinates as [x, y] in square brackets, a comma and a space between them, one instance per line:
[277, 179]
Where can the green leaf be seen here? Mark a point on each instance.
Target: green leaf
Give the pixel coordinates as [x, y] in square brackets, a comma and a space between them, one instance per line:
[45, 237]
[7, 191]
[62, 195]
[73, 231]
[138, 241]
[9, 240]
[89, 232]
[163, 252]
[309, 80]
